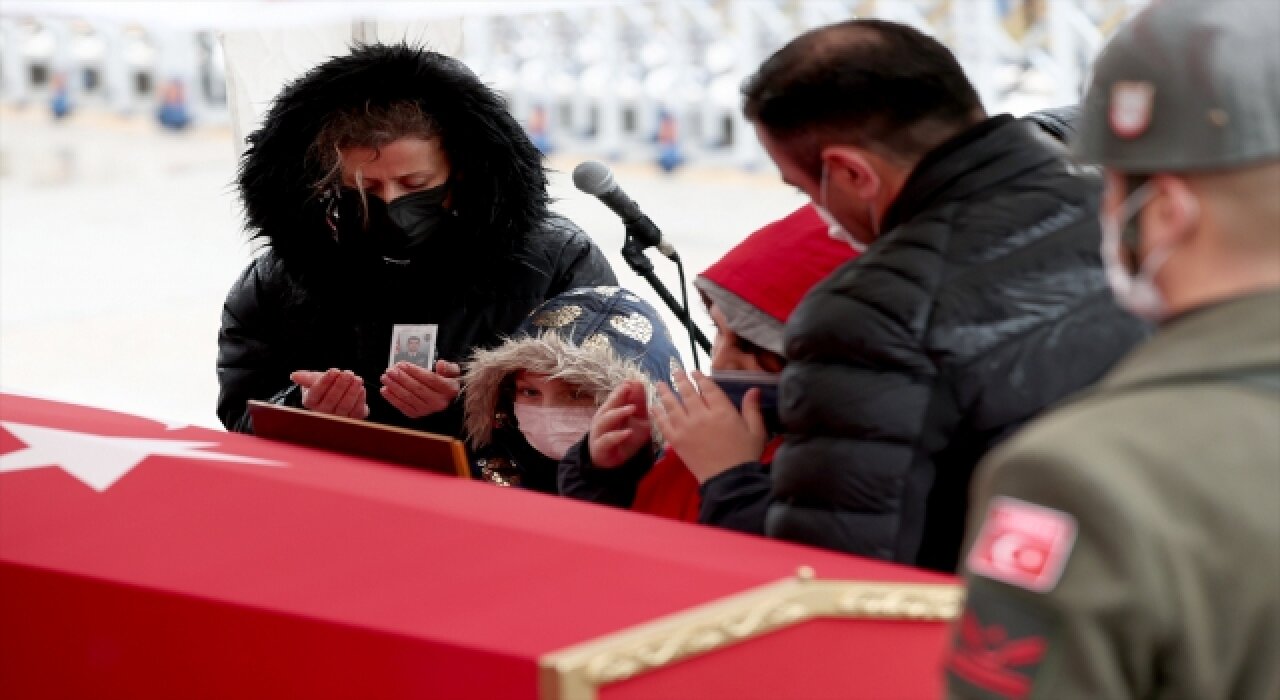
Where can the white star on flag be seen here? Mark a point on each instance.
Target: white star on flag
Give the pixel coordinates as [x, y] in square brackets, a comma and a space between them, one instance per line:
[99, 460]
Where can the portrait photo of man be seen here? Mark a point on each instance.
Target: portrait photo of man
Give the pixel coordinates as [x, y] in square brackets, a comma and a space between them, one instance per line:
[413, 344]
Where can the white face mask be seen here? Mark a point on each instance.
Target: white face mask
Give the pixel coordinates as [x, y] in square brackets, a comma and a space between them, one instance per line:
[834, 228]
[1136, 292]
[552, 430]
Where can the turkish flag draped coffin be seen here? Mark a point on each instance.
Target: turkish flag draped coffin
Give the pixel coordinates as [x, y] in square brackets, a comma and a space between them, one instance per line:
[139, 559]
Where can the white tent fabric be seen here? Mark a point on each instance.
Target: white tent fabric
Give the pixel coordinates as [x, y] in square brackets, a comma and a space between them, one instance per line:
[269, 42]
[259, 62]
[228, 15]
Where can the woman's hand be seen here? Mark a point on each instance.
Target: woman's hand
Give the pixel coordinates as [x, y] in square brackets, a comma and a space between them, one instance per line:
[705, 428]
[419, 392]
[336, 392]
[621, 426]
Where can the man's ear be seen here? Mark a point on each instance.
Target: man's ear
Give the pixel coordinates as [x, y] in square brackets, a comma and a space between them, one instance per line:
[851, 170]
[1172, 217]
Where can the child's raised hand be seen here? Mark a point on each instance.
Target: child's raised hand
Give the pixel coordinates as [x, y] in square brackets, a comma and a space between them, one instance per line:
[621, 427]
[706, 430]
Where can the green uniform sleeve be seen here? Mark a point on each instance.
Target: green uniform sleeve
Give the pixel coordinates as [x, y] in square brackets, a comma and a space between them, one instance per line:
[1091, 629]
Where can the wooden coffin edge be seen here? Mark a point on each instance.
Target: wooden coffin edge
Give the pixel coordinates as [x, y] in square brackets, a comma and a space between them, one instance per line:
[578, 672]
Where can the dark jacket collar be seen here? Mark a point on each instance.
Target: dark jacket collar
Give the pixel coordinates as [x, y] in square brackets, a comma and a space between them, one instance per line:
[989, 152]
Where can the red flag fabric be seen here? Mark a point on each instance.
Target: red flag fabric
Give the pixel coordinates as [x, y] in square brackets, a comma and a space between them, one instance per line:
[139, 559]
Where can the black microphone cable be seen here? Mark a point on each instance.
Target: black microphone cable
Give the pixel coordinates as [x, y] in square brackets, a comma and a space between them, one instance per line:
[688, 312]
[595, 178]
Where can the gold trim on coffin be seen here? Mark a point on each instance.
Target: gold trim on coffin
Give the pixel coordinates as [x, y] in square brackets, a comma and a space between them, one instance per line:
[578, 672]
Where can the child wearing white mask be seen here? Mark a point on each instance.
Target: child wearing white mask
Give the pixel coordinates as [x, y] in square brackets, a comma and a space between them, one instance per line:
[530, 399]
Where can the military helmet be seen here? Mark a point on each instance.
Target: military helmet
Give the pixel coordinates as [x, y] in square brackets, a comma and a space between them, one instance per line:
[1186, 85]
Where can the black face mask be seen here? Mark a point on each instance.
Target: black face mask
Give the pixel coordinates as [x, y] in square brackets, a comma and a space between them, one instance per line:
[418, 217]
[394, 231]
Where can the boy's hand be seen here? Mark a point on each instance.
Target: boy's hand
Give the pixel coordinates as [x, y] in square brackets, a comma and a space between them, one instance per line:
[705, 428]
[621, 427]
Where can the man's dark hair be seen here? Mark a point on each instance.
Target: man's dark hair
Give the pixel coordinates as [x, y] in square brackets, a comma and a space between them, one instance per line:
[871, 83]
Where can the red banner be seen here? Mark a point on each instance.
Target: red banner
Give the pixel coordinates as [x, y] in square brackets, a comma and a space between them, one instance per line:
[144, 560]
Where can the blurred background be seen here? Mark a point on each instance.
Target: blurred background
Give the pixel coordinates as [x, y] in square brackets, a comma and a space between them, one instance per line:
[121, 123]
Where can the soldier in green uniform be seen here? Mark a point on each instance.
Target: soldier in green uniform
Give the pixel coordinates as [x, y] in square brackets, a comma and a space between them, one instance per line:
[1127, 545]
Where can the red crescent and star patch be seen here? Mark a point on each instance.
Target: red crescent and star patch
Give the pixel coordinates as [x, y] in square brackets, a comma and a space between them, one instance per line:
[1023, 544]
[1003, 637]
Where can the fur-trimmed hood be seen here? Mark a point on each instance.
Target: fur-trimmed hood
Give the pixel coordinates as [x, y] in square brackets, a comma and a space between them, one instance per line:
[499, 184]
[593, 338]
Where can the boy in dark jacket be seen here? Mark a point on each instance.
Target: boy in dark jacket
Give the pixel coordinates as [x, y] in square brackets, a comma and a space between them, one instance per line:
[749, 293]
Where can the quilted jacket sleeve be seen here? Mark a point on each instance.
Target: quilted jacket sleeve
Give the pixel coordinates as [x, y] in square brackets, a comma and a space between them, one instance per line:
[579, 478]
[737, 499]
[863, 405]
[1058, 122]
[581, 263]
[249, 366]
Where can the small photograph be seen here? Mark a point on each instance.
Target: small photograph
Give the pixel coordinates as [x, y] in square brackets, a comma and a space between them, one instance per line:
[413, 343]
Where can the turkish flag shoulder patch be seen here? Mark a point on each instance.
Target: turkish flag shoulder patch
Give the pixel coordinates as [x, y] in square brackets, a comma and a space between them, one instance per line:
[1023, 544]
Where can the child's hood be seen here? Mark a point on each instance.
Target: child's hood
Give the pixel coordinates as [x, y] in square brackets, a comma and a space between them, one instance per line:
[593, 338]
[760, 281]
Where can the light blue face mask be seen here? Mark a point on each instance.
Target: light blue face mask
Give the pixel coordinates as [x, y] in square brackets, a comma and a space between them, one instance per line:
[552, 430]
[834, 228]
[1136, 292]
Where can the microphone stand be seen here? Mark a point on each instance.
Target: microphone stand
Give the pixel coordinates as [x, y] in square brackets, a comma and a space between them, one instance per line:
[633, 253]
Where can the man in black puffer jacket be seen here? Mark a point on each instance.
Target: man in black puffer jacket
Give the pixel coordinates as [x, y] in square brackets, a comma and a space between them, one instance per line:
[980, 300]
[391, 187]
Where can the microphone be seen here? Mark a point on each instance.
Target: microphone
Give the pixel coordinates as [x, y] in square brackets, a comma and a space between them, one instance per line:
[594, 178]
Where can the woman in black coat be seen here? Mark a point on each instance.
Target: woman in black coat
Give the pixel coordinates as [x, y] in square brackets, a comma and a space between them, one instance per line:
[389, 187]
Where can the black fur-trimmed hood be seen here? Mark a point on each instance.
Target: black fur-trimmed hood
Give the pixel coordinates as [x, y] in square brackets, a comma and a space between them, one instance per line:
[498, 177]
